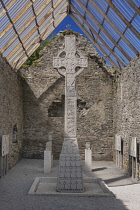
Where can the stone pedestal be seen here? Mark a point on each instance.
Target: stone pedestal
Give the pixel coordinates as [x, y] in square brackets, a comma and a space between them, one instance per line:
[48, 161]
[70, 177]
[88, 159]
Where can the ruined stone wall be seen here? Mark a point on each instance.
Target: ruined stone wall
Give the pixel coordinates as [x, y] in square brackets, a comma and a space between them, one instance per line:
[44, 104]
[127, 105]
[11, 110]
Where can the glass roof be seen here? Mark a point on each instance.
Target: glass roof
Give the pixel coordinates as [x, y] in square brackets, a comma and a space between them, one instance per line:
[112, 25]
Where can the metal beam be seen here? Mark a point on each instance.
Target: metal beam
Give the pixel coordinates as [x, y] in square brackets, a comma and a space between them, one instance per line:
[103, 29]
[36, 20]
[123, 18]
[113, 26]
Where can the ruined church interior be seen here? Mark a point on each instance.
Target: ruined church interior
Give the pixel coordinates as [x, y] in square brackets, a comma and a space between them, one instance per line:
[36, 87]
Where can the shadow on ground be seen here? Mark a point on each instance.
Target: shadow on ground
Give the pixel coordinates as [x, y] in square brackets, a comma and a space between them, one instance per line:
[15, 185]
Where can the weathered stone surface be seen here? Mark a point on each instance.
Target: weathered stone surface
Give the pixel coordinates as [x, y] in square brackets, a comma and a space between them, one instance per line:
[127, 106]
[88, 156]
[11, 110]
[44, 104]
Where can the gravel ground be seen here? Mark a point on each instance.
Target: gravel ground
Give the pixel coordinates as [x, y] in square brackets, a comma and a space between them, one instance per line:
[15, 185]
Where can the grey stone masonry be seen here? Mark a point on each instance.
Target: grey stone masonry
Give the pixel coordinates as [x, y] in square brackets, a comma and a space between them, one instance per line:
[70, 165]
[43, 103]
[127, 106]
[11, 111]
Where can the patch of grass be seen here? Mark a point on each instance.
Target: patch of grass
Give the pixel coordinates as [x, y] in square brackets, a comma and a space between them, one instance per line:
[35, 56]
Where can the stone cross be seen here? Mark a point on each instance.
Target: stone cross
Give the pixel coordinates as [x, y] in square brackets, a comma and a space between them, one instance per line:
[70, 63]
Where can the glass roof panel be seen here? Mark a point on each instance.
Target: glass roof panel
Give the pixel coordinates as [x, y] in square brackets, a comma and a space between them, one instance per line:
[124, 8]
[87, 29]
[13, 57]
[126, 48]
[17, 7]
[106, 39]
[116, 20]
[6, 1]
[84, 1]
[26, 24]
[137, 2]
[114, 59]
[121, 56]
[44, 12]
[35, 34]
[78, 7]
[24, 18]
[28, 30]
[4, 22]
[95, 12]
[7, 37]
[92, 23]
[102, 4]
[11, 48]
[111, 31]
[136, 23]
[78, 18]
[59, 7]
[38, 4]
[133, 39]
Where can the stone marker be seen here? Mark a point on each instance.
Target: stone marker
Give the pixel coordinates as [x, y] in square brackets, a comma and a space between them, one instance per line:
[4, 145]
[4, 151]
[70, 165]
[119, 150]
[88, 156]
[48, 157]
[133, 156]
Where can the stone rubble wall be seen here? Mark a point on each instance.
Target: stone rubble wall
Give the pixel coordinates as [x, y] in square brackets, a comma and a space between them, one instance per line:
[11, 109]
[127, 106]
[44, 104]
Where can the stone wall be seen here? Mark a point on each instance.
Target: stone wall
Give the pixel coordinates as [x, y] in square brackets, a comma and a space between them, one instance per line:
[127, 105]
[44, 103]
[11, 110]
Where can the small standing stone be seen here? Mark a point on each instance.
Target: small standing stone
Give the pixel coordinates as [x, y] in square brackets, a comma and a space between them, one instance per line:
[48, 157]
[88, 156]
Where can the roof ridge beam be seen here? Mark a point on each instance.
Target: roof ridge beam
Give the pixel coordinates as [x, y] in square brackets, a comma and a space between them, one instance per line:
[103, 29]
[113, 25]
[123, 18]
[91, 28]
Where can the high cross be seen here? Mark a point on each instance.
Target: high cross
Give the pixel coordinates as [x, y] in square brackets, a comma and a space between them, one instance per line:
[70, 63]
[66, 63]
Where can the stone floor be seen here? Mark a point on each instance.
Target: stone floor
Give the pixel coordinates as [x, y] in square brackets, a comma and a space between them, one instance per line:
[14, 188]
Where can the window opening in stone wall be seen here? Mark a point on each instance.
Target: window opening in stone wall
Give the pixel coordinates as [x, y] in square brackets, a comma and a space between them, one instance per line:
[15, 132]
[56, 109]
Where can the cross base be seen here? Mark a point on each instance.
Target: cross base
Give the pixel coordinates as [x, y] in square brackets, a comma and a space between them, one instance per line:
[70, 178]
